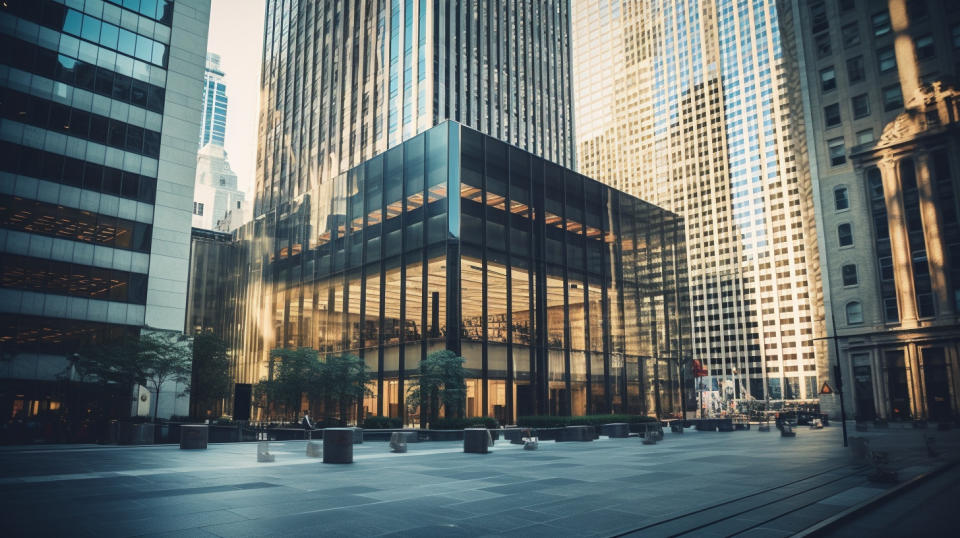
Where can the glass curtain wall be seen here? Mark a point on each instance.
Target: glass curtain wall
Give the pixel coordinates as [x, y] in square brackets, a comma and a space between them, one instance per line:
[559, 292]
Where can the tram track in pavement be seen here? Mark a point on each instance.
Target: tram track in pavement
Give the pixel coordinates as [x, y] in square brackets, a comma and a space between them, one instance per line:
[733, 516]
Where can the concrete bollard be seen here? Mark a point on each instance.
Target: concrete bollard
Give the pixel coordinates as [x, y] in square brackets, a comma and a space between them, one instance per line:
[476, 441]
[314, 449]
[398, 441]
[338, 445]
[787, 430]
[531, 444]
[263, 453]
[616, 430]
[194, 436]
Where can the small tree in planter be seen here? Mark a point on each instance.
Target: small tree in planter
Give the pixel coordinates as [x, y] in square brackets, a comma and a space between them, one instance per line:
[442, 381]
[165, 357]
[295, 372]
[343, 379]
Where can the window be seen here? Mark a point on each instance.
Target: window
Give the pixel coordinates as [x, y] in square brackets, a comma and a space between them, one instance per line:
[854, 313]
[850, 34]
[198, 209]
[861, 105]
[818, 17]
[838, 152]
[855, 71]
[849, 272]
[238, 204]
[845, 234]
[828, 79]
[892, 98]
[886, 268]
[886, 59]
[925, 47]
[881, 23]
[822, 43]
[831, 115]
[223, 180]
[865, 136]
[841, 200]
[925, 307]
[890, 310]
[916, 9]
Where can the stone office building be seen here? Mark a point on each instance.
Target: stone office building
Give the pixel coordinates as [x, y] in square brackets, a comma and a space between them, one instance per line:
[564, 295]
[98, 134]
[883, 155]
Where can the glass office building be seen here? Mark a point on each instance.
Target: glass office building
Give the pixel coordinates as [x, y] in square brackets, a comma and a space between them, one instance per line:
[564, 296]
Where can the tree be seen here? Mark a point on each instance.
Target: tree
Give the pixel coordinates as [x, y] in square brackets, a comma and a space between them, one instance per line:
[295, 372]
[343, 379]
[165, 356]
[442, 381]
[211, 379]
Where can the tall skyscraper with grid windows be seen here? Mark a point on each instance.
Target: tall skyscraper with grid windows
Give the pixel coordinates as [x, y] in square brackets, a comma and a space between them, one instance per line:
[214, 119]
[683, 103]
[344, 80]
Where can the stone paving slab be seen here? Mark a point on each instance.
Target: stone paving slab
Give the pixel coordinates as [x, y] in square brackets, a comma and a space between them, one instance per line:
[602, 488]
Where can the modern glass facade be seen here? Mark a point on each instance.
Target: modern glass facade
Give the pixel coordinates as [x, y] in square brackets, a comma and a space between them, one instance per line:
[563, 295]
[94, 222]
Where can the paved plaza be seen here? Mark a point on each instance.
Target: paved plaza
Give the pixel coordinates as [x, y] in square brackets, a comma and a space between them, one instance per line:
[708, 484]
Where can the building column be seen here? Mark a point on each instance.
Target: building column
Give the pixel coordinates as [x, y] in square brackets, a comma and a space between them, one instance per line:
[952, 357]
[883, 379]
[905, 50]
[876, 378]
[914, 384]
[899, 242]
[936, 256]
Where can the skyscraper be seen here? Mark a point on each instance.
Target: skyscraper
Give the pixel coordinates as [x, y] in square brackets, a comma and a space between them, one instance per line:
[684, 104]
[375, 73]
[214, 116]
[876, 80]
[98, 139]
[383, 231]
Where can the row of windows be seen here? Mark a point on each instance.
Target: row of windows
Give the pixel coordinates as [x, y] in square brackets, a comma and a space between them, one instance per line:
[72, 22]
[47, 63]
[158, 10]
[57, 334]
[24, 108]
[76, 173]
[62, 278]
[75, 224]
[860, 104]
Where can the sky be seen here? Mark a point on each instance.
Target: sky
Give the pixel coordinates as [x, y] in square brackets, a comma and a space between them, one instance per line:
[236, 34]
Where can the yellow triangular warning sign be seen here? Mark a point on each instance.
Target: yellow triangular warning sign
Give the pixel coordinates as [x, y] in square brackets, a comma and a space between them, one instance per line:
[825, 389]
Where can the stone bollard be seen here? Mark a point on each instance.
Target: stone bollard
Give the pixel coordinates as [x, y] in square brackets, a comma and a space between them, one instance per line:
[338, 445]
[398, 442]
[263, 453]
[676, 426]
[476, 441]
[816, 424]
[531, 444]
[194, 436]
[649, 439]
[514, 435]
[860, 447]
[787, 430]
[314, 449]
[576, 433]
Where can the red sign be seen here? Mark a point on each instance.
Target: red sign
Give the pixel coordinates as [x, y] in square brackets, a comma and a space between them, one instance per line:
[825, 389]
[699, 370]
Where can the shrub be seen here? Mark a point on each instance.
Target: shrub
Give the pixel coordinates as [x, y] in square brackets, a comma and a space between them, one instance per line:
[545, 421]
[461, 423]
[377, 422]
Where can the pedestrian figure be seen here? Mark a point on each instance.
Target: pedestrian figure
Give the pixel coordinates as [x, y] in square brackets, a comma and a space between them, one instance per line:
[307, 425]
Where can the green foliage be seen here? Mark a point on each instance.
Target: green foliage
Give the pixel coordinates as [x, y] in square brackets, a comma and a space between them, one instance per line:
[377, 422]
[546, 421]
[461, 423]
[211, 371]
[295, 373]
[343, 379]
[441, 383]
[150, 360]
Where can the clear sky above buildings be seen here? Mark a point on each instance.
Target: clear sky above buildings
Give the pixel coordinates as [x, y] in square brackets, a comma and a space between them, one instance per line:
[236, 34]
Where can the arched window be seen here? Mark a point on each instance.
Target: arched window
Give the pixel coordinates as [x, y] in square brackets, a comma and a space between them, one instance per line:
[840, 199]
[854, 313]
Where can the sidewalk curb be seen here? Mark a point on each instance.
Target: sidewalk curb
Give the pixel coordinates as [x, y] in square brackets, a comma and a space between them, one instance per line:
[827, 524]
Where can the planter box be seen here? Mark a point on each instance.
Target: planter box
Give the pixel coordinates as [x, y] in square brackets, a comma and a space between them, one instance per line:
[725, 425]
[129, 433]
[223, 434]
[385, 434]
[616, 430]
[577, 433]
[706, 425]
